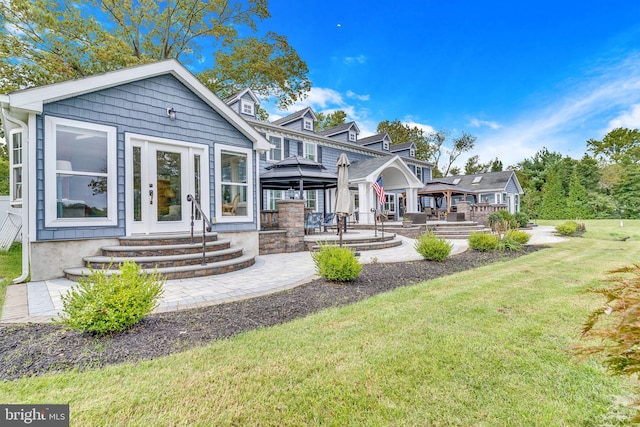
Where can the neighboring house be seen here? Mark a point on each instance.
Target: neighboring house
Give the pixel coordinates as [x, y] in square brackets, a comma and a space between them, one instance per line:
[116, 154]
[491, 188]
[370, 158]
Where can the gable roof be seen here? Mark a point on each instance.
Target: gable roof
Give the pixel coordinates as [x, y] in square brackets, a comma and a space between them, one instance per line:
[295, 116]
[339, 129]
[490, 181]
[368, 170]
[32, 100]
[401, 146]
[373, 139]
[239, 95]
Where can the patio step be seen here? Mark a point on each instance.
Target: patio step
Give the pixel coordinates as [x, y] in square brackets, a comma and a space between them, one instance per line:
[173, 255]
[354, 241]
[458, 230]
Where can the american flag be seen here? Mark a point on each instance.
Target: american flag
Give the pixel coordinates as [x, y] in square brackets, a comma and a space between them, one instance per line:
[379, 190]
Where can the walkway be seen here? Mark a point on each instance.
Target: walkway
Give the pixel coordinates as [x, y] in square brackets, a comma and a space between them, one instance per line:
[41, 301]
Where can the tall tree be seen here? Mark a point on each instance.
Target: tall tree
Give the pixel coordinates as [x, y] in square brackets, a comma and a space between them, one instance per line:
[461, 144]
[46, 41]
[577, 206]
[496, 166]
[330, 120]
[619, 145]
[553, 198]
[473, 166]
[400, 133]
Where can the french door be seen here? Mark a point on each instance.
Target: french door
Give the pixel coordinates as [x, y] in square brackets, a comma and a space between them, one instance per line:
[160, 176]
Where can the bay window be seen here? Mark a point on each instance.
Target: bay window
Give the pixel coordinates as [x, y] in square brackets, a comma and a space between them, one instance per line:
[234, 175]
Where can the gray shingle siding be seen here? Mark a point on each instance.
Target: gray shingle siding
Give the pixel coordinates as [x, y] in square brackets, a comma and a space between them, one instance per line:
[138, 107]
[512, 188]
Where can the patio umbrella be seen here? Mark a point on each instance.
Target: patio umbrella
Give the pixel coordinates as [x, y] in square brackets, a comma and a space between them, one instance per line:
[343, 206]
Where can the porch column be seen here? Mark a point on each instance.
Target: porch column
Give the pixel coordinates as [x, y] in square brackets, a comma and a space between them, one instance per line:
[412, 200]
[365, 196]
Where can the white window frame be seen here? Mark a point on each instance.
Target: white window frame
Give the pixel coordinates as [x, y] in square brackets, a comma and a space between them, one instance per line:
[307, 152]
[412, 152]
[270, 155]
[272, 199]
[219, 148]
[390, 202]
[247, 107]
[14, 166]
[307, 124]
[385, 145]
[311, 199]
[419, 172]
[352, 136]
[50, 202]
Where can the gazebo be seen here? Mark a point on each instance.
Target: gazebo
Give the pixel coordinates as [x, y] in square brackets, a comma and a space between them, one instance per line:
[439, 189]
[298, 173]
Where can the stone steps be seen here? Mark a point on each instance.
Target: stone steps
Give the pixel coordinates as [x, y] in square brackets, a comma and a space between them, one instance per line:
[357, 243]
[173, 255]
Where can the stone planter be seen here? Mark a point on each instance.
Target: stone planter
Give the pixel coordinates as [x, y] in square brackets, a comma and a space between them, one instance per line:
[407, 224]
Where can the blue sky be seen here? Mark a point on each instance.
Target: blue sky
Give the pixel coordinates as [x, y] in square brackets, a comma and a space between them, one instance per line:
[518, 75]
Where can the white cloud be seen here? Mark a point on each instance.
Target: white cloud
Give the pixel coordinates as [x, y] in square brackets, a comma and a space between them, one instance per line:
[427, 129]
[628, 119]
[476, 123]
[360, 59]
[351, 94]
[581, 112]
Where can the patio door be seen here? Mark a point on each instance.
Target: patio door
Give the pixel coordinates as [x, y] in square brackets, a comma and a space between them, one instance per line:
[161, 176]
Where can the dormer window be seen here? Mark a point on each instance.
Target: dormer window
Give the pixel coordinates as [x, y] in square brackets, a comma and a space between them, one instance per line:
[477, 180]
[247, 108]
[352, 136]
[385, 145]
[308, 124]
[412, 152]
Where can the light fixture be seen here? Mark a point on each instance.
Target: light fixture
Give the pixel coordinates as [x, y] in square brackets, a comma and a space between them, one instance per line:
[171, 113]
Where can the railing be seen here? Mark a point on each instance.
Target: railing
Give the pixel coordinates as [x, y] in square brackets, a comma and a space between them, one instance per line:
[206, 225]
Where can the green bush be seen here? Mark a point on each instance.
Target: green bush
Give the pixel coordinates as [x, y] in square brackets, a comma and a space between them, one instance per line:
[508, 243]
[519, 236]
[568, 228]
[521, 218]
[483, 242]
[501, 217]
[336, 264]
[432, 248]
[101, 304]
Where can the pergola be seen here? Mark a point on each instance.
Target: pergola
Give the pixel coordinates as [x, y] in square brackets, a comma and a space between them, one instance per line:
[438, 189]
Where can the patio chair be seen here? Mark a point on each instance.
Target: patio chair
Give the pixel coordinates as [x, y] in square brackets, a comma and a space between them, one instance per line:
[230, 208]
[328, 221]
[313, 221]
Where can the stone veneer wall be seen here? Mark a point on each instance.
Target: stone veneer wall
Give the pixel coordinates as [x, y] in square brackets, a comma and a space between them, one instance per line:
[290, 236]
[478, 212]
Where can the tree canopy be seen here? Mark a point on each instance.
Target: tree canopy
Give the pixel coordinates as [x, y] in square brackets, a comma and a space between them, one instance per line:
[46, 41]
[330, 120]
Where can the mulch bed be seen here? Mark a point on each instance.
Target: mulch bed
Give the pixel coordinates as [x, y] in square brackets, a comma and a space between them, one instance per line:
[34, 349]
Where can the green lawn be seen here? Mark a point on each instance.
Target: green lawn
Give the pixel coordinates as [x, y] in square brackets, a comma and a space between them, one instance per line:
[10, 268]
[487, 347]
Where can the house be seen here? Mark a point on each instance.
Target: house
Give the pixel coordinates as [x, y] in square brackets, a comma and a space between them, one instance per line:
[114, 155]
[371, 158]
[493, 188]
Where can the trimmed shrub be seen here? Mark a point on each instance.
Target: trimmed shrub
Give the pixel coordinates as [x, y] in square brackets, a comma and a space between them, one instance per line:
[483, 242]
[508, 243]
[568, 228]
[521, 218]
[102, 304]
[336, 264]
[432, 247]
[519, 236]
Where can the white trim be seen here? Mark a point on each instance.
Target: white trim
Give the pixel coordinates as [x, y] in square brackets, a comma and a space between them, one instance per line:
[50, 202]
[218, 183]
[251, 106]
[134, 139]
[269, 157]
[33, 99]
[13, 200]
[305, 153]
[352, 136]
[307, 123]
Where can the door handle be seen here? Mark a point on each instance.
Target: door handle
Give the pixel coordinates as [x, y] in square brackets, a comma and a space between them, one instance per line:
[150, 197]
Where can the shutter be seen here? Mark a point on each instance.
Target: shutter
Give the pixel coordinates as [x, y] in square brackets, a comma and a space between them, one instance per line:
[300, 149]
[286, 143]
[263, 157]
[319, 154]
